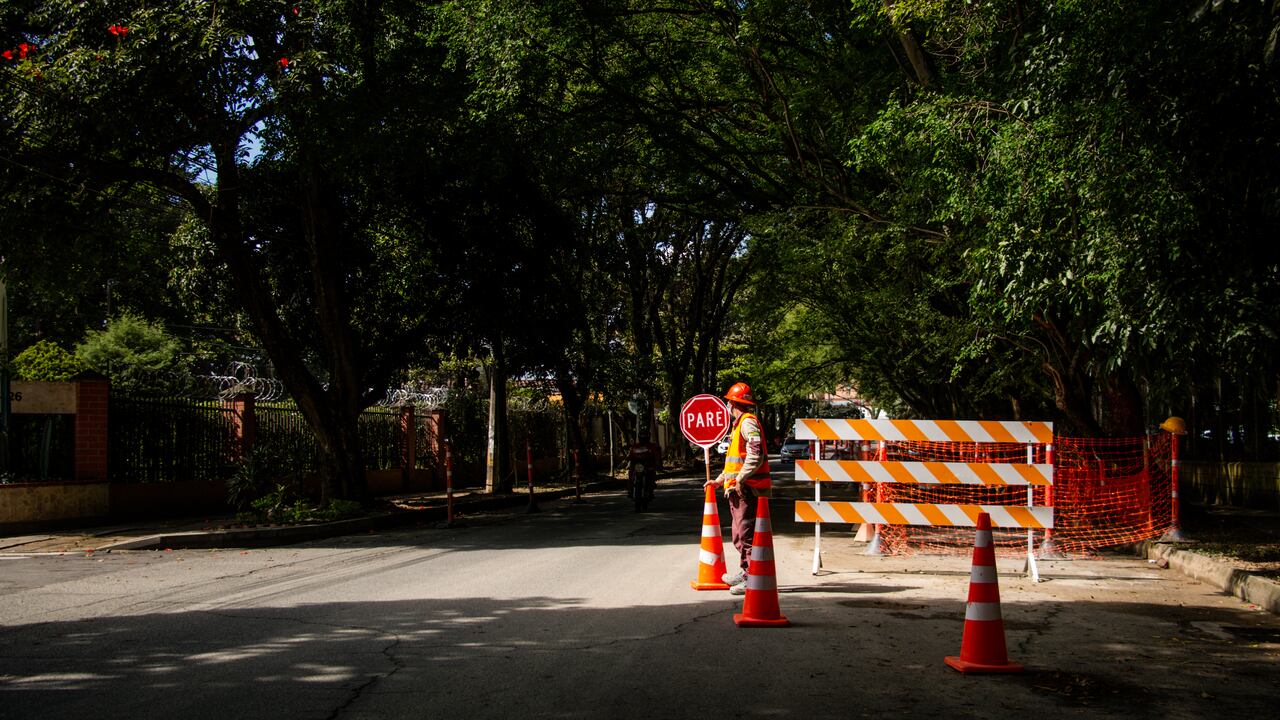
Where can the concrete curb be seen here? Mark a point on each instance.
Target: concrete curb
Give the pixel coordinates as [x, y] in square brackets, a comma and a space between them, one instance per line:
[290, 534]
[1252, 589]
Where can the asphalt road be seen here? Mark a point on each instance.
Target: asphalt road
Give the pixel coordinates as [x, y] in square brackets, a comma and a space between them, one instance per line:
[584, 611]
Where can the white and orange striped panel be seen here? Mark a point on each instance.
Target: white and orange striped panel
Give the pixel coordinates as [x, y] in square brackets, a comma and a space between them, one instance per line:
[978, 431]
[923, 473]
[1006, 516]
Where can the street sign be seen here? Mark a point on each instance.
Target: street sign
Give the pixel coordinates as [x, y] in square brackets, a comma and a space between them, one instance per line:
[704, 419]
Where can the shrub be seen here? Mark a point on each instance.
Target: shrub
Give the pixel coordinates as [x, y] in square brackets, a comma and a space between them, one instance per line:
[137, 355]
[46, 361]
[283, 506]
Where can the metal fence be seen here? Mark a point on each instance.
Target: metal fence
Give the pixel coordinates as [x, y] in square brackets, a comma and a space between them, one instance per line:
[380, 439]
[163, 440]
[285, 434]
[41, 447]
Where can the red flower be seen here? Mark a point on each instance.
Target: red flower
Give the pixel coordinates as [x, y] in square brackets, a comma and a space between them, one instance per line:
[7, 54]
[295, 11]
[118, 30]
[22, 50]
[283, 62]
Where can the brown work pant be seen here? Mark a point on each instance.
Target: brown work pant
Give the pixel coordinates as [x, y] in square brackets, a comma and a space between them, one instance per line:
[742, 511]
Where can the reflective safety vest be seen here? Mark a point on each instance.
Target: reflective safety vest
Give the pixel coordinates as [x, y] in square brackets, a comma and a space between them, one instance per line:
[759, 480]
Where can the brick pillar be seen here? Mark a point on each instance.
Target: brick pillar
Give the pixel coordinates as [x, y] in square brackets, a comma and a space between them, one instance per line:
[244, 424]
[408, 445]
[91, 428]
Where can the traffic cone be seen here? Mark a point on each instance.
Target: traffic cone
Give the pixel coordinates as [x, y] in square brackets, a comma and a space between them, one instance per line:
[711, 552]
[982, 650]
[760, 604]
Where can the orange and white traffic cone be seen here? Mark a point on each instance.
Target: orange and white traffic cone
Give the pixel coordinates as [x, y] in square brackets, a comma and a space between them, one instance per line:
[711, 551]
[760, 604]
[982, 650]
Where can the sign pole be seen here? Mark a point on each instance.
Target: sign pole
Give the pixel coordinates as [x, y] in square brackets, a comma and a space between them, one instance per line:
[704, 419]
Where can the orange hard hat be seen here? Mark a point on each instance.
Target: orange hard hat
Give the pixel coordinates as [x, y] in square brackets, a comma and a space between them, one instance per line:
[1175, 425]
[740, 393]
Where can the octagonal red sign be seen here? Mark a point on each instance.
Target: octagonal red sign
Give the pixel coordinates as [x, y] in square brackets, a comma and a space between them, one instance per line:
[704, 419]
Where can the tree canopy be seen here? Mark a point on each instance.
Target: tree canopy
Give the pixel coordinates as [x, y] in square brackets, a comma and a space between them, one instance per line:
[1008, 209]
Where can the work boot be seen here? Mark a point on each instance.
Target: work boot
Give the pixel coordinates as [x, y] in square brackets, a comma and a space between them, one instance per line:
[735, 579]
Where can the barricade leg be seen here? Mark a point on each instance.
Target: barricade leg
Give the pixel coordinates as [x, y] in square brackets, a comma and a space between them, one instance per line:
[817, 532]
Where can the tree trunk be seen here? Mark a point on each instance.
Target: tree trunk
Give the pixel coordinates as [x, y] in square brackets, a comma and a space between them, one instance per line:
[574, 405]
[1073, 396]
[342, 461]
[915, 54]
[1123, 409]
[1065, 361]
[345, 473]
[497, 473]
[332, 414]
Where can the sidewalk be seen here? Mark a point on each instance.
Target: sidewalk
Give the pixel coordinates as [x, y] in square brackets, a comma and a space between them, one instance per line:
[223, 531]
[1218, 572]
[1236, 550]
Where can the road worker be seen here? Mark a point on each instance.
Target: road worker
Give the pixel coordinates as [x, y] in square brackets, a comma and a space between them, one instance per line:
[745, 477]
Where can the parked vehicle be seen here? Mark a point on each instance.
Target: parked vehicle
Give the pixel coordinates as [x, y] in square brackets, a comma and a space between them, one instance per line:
[793, 449]
[723, 446]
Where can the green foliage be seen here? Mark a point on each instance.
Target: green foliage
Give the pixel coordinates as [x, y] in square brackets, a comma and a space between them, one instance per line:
[282, 506]
[137, 355]
[253, 474]
[46, 361]
[1045, 227]
[278, 459]
[962, 209]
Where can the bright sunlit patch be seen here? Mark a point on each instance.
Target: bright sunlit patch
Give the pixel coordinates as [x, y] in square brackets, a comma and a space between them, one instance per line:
[65, 681]
[226, 656]
[313, 673]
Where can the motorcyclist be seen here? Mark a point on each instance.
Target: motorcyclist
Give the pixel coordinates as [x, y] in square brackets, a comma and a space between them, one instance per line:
[649, 454]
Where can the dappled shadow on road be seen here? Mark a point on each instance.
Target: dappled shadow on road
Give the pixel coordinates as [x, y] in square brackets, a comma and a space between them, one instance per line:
[428, 651]
[850, 588]
[562, 657]
[673, 518]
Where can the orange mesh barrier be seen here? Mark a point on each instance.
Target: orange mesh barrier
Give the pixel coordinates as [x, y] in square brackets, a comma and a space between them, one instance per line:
[1106, 492]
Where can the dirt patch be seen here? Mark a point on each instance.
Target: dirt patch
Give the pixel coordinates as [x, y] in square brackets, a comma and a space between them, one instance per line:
[1247, 539]
[1093, 691]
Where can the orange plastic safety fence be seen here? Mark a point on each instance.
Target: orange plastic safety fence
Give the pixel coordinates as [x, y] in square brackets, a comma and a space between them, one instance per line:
[1106, 492]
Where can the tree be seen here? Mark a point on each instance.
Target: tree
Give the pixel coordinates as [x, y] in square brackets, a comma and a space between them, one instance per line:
[46, 361]
[137, 356]
[634, 255]
[1043, 194]
[280, 129]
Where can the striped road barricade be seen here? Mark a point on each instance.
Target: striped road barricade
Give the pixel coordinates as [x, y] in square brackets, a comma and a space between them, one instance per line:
[882, 470]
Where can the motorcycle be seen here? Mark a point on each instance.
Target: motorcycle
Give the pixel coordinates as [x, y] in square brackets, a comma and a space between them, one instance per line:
[642, 476]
